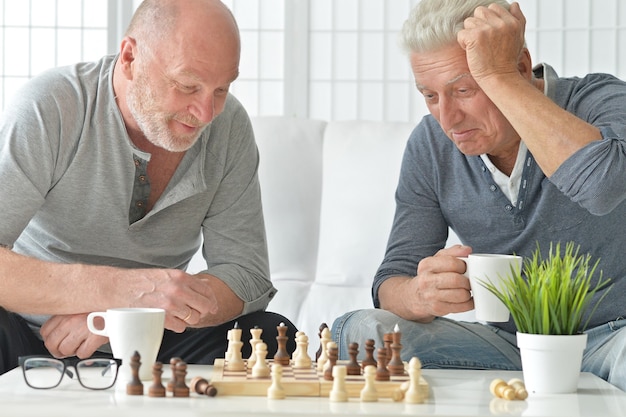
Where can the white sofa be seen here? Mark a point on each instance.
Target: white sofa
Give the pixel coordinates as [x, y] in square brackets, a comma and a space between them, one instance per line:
[328, 198]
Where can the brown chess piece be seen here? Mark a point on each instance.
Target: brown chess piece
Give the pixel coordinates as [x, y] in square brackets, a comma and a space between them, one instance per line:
[333, 354]
[369, 354]
[180, 387]
[387, 340]
[157, 389]
[382, 374]
[172, 381]
[395, 364]
[353, 367]
[201, 386]
[282, 356]
[135, 386]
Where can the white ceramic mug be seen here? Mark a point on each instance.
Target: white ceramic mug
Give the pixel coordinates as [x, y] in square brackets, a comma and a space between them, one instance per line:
[130, 330]
[494, 268]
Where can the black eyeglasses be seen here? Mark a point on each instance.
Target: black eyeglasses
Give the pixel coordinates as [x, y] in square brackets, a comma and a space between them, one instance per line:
[42, 372]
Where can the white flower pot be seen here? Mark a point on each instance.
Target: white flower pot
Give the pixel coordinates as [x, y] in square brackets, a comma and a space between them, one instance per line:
[551, 363]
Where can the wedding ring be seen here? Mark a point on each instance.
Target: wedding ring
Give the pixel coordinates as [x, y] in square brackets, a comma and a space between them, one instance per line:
[188, 315]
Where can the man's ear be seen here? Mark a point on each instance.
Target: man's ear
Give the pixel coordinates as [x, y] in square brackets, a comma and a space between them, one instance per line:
[525, 64]
[128, 53]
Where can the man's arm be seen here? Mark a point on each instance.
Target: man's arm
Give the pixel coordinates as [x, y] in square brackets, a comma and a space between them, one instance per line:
[494, 42]
[438, 289]
[33, 286]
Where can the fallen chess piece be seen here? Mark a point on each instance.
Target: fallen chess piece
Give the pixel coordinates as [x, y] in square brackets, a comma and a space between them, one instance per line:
[514, 390]
[519, 387]
[201, 386]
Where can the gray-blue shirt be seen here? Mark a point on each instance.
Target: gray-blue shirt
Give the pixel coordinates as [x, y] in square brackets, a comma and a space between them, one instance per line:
[68, 170]
[583, 201]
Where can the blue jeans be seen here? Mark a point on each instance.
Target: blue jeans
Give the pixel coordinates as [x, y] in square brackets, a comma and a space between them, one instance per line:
[451, 344]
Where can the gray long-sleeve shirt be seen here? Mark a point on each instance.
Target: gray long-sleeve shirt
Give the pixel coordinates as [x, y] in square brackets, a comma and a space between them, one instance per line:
[68, 170]
[583, 201]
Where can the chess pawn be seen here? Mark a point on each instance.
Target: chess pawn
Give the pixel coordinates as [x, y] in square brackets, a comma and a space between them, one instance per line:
[501, 389]
[298, 349]
[413, 394]
[172, 381]
[319, 334]
[339, 393]
[302, 360]
[276, 390]
[519, 388]
[369, 392]
[321, 361]
[157, 389]
[382, 373]
[369, 354]
[180, 387]
[201, 386]
[260, 368]
[333, 353]
[353, 366]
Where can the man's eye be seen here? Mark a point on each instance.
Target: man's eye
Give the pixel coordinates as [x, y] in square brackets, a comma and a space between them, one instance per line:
[187, 88]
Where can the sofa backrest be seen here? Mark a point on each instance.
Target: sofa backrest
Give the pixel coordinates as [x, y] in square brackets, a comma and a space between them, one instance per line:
[328, 197]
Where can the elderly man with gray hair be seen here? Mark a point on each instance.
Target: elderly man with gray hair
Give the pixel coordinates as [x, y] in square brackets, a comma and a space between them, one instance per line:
[510, 156]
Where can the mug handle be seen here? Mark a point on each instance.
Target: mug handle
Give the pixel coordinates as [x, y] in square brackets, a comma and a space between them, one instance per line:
[92, 328]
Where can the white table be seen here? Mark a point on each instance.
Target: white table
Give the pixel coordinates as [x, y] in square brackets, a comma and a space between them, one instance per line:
[452, 393]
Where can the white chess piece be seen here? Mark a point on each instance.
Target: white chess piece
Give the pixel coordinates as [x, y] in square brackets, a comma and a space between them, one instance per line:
[260, 368]
[296, 352]
[254, 339]
[325, 338]
[303, 360]
[339, 393]
[276, 390]
[236, 363]
[369, 392]
[413, 394]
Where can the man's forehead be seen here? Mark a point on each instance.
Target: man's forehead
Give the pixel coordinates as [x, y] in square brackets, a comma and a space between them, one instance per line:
[451, 81]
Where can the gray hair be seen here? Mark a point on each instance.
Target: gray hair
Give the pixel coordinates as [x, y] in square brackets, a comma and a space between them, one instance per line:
[434, 24]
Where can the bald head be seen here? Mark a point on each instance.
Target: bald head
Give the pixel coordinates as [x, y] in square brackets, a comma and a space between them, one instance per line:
[155, 22]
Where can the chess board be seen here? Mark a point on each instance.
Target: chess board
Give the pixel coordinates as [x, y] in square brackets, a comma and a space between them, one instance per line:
[300, 382]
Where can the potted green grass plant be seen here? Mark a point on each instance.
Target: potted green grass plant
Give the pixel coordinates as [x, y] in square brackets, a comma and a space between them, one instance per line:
[551, 301]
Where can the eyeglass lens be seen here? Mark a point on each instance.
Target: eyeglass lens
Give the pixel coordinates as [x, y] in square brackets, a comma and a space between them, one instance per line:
[45, 373]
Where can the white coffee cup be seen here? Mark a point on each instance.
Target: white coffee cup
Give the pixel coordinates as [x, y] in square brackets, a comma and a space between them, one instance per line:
[130, 330]
[493, 268]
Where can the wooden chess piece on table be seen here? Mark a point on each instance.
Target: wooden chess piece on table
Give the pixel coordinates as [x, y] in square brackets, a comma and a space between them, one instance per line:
[395, 364]
[369, 392]
[276, 390]
[201, 386]
[319, 334]
[255, 338]
[338, 392]
[282, 356]
[260, 368]
[235, 361]
[172, 381]
[157, 389]
[369, 355]
[353, 367]
[180, 387]
[135, 386]
[333, 353]
[382, 373]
